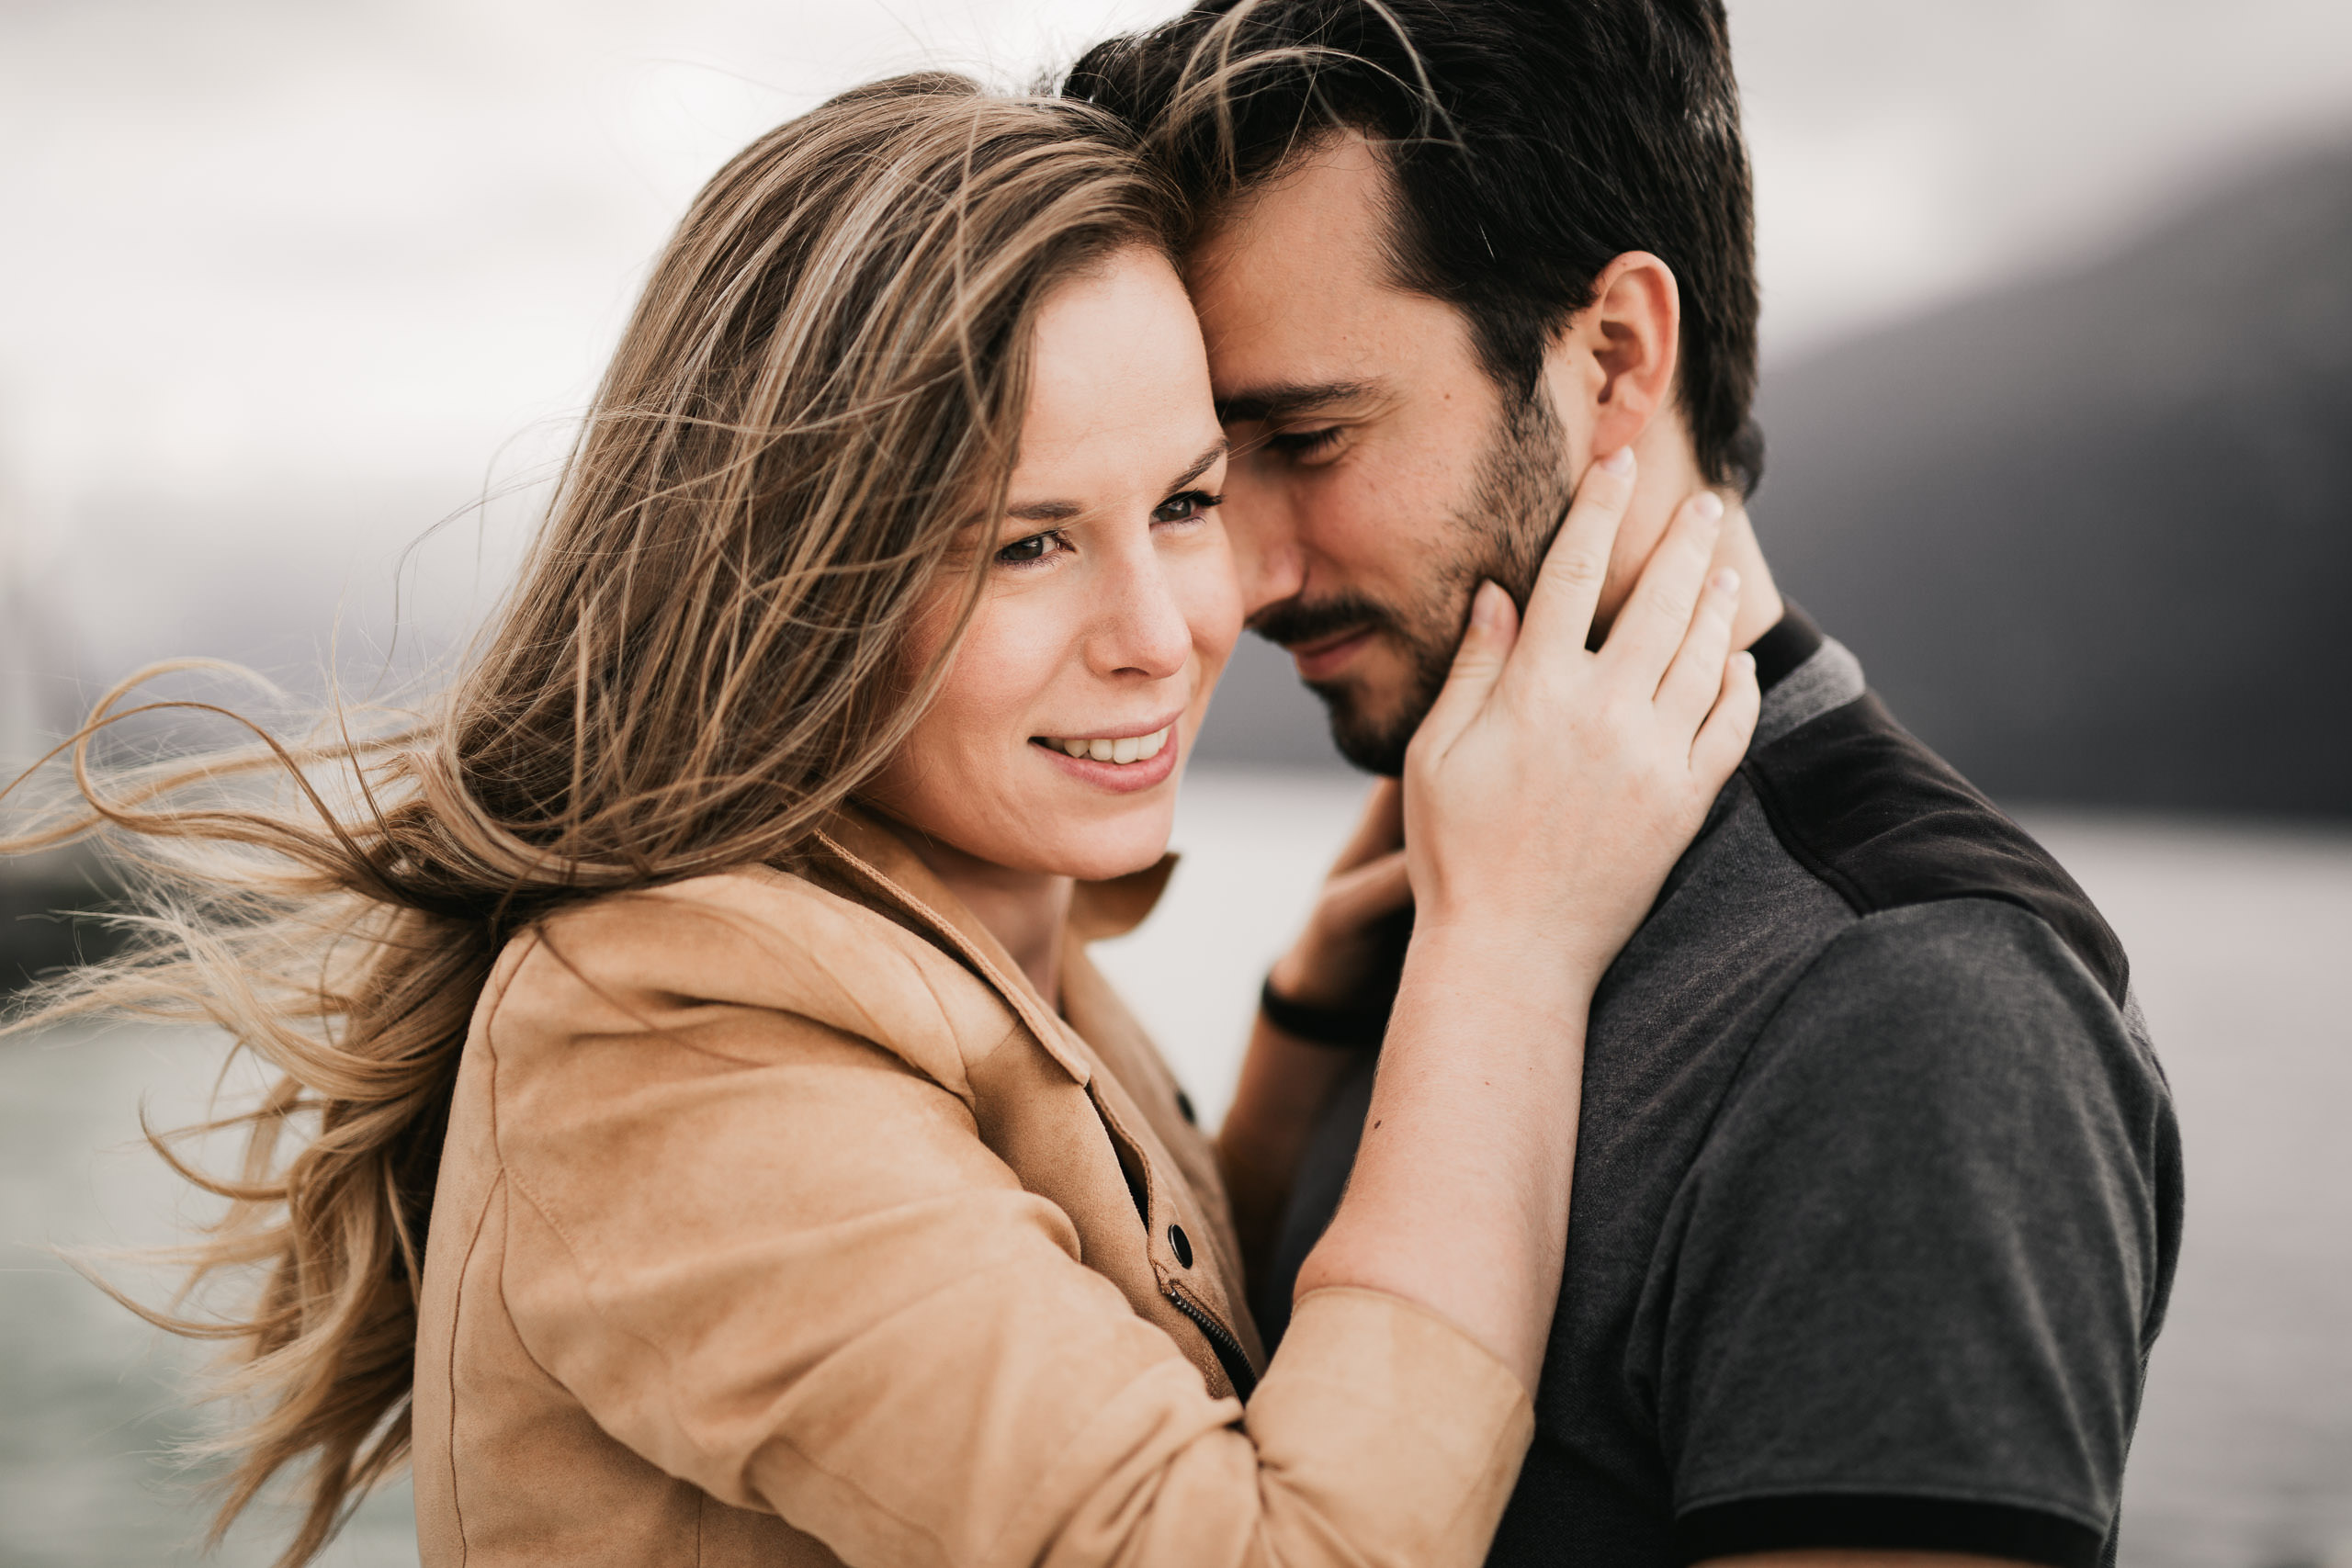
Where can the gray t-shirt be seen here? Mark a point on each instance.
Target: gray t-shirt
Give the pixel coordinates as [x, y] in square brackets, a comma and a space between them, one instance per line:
[1878, 1186]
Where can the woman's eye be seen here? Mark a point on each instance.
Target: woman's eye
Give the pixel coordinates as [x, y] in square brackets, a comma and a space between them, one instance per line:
[1185, 507]
[1025, 552]
[1303, 443]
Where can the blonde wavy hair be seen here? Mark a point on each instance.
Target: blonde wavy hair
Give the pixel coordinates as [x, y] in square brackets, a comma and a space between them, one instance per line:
[705, 654]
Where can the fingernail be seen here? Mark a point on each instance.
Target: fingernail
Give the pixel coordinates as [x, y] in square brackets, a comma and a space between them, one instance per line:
[1708, 505]
[1620, 462]
[1726, 582]
[1482, 604]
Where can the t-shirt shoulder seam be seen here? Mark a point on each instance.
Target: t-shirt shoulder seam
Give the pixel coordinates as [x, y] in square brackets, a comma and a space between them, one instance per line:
[1930, 837]
[1994, 908]
[1863, 928]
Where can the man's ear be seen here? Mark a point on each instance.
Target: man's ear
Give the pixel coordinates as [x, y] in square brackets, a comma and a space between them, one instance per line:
[1617, 356]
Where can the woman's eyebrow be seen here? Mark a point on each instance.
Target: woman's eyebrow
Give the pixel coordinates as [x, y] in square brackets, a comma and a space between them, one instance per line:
[1063, 511]
[1200, 463]
[1046, 511]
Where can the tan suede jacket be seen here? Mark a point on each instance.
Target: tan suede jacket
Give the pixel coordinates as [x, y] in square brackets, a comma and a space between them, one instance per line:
[783, 1223]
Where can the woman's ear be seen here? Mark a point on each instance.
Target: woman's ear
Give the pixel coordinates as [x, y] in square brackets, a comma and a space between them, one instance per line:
[1614, 360]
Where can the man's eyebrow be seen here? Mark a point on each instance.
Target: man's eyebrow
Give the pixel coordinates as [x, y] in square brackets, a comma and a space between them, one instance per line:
[1287, 401]
[1063, 511]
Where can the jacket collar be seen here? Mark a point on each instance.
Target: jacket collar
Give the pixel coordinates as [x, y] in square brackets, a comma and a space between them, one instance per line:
[877, 853]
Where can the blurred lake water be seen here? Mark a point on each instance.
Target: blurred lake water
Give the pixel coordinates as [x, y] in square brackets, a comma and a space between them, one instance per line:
[2238, 936]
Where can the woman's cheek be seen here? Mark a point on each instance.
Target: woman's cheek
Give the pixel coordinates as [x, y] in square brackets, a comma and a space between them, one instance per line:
[1210, 595]
[1212, 600]
[1003, 669]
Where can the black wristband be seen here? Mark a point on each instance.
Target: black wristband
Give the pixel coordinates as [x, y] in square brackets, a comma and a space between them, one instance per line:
[1342, 1029]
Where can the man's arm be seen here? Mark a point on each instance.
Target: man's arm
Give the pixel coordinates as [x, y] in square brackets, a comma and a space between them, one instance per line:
[1344, 966]
[1285, 1084]
[1902, 1299]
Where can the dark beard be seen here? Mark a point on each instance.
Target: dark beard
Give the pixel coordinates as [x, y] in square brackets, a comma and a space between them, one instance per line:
[1516, 504]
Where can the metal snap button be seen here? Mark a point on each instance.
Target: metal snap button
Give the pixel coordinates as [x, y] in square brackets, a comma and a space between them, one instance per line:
[1182, 1244]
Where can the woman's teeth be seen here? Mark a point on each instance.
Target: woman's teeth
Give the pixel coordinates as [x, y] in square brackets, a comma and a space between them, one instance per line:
[1132, 749]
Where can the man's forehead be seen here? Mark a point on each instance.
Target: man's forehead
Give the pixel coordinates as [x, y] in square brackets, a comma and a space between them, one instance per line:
[1297, 288]
[1340, 175]
[1323, 216]
[1293, 284]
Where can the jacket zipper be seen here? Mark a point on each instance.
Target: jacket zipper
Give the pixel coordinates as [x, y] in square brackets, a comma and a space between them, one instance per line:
[1229, 1354]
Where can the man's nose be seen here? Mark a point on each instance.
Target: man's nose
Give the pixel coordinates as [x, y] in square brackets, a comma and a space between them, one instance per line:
[1266, 549]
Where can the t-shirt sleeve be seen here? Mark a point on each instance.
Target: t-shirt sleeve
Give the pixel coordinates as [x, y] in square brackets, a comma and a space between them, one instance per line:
[1905, 1294]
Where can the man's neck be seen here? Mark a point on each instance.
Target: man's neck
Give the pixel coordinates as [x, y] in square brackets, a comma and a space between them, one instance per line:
[1760, 605]
[1670, 475]
[1028, 911]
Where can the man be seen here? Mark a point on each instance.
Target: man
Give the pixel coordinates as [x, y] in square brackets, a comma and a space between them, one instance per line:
[1878, 1198]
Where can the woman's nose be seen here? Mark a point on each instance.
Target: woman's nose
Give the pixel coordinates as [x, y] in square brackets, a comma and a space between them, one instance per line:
[1139, 622]
[1267, 555]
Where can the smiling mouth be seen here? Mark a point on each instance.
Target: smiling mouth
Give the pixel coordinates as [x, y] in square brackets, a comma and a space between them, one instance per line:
[1122, 749]
[1324, 656]
[1323, 645]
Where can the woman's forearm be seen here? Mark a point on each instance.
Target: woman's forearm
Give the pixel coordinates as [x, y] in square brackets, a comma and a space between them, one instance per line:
[1283, 1087]
[1458, 1198]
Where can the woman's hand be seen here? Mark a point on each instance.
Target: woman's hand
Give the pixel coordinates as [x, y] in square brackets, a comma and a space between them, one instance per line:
[1332, 960]
[1606, 760]
[1546, 796]
[1551, 788]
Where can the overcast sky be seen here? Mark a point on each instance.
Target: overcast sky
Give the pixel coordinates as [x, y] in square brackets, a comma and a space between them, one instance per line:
[284, 279]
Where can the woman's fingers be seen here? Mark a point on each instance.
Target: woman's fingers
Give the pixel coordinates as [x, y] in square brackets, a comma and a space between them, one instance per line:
[1380, 829]
[1362, 895]
[1566, 593]
[1477, 664]
[1696, 677]
[1723, 740]
[1657, 615]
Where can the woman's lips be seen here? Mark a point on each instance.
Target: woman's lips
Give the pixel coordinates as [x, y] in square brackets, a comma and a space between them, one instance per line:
[1326, 657]
[1119, 778]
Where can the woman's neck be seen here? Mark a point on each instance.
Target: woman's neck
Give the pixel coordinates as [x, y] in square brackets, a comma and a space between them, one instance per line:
[1028, 911]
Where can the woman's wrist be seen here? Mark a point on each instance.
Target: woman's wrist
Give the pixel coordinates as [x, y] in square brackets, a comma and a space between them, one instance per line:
[1479, 954]
[1461, 1204]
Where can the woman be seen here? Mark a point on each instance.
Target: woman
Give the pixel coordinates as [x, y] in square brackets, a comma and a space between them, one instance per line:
[714, 1145]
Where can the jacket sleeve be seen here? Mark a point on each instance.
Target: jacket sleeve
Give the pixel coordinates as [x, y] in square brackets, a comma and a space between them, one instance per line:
[776, 1260]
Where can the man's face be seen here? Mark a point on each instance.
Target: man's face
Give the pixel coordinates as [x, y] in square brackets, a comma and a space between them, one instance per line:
[1378, 471]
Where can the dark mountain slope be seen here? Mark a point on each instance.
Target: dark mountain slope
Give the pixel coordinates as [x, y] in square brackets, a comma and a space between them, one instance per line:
[2093, 535]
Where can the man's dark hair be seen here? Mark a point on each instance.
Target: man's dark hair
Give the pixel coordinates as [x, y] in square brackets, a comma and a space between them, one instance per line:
[1532, 140]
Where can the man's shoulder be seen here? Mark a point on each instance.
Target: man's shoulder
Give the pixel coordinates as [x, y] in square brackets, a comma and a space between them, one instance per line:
[1851, 868]
[1947, 1009]
[1869, 812]
[1934, 961]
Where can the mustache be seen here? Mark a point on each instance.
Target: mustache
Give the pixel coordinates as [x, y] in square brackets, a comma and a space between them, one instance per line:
[1293, 621]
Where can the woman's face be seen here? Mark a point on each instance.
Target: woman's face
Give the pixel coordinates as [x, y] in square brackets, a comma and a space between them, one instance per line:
[1110, 607]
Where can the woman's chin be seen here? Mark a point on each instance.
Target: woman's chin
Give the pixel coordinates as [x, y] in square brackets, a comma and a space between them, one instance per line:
[1098, 852]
